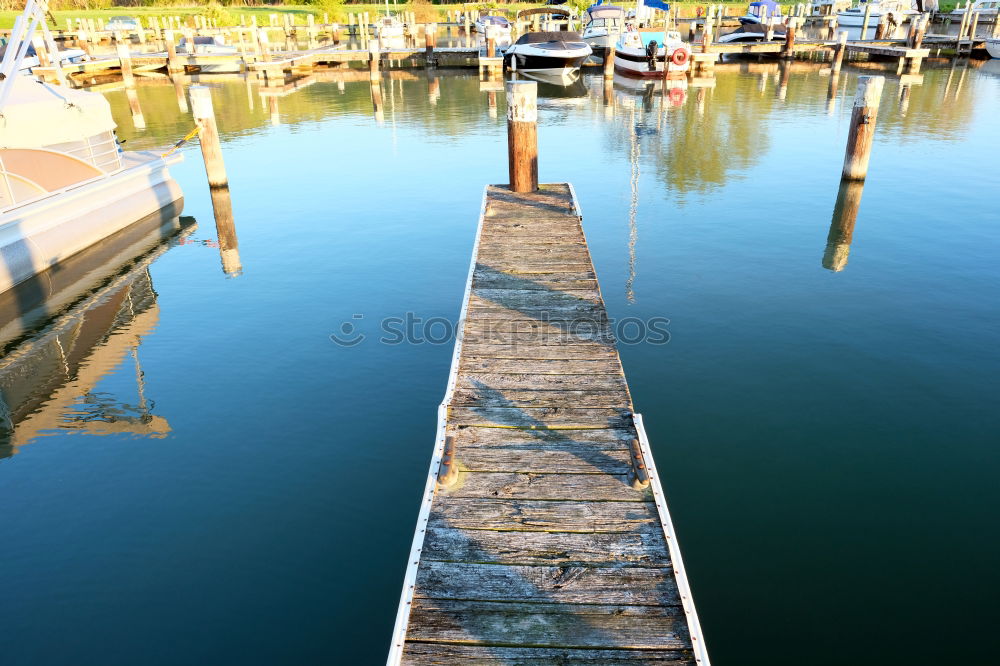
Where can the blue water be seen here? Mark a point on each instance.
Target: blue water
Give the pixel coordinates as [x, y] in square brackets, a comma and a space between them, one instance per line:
[826, 438]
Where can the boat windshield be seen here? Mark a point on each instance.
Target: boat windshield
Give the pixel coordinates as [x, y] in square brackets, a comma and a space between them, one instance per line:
[604, 23]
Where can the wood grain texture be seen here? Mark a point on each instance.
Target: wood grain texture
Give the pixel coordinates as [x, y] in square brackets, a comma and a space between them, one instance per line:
[644, 549]
[551, 625]
[636, 586]
[447, 654]
[536, 515]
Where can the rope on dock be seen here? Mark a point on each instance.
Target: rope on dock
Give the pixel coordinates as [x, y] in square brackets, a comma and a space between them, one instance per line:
[190, 135]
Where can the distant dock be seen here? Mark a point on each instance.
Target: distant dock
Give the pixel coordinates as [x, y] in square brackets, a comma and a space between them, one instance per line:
[543, 533]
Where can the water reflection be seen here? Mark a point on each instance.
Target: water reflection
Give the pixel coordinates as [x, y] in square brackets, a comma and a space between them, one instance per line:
[845, 214]
[225, 227]
[103, 305]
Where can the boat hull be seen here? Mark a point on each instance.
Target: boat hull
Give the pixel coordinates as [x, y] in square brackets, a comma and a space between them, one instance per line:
[39, 234]
[537, 63]
[631, 62]
[993, 47]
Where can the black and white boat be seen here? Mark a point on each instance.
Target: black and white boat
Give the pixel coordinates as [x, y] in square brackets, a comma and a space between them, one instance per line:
[547, 52]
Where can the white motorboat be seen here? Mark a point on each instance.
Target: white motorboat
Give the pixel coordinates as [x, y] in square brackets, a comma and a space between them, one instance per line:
[498, 23]
[604, 26]
[643, 53]
[982, 7]
[750, 33]
[389, 26]
[547, 52]
[759, 12]
[993, 47]
[205, 45]
[896, 12]
[64, 183]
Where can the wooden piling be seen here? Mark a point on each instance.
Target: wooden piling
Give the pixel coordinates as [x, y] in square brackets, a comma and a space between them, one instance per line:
[918, 38]
[173, 64]
[126, 63]
[373, 61]
[789, 51]
[862, 129]
[522, 135]
[430, 41]
[211, 148]
[864, 23]
[838, 59]
[609, 62]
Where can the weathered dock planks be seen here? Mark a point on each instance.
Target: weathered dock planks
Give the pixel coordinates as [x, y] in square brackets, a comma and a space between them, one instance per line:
[546, 549]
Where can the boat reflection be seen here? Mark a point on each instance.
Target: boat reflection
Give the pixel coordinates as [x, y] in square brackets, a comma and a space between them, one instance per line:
[558, 85]
[65, 331]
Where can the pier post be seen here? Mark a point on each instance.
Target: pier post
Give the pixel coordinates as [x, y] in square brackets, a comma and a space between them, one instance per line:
[789, 52]
[609, 63]
[373, 61]
[864, 23]
[918, 37]
[172, 64]
[211, 148]
[838, 59]
[522, 135]
[861, 132]
[126, 63]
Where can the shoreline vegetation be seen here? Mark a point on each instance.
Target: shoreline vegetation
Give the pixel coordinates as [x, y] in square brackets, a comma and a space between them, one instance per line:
[336, 9]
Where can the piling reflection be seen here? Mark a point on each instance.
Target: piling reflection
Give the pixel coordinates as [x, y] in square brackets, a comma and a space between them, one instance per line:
[225, 227]
[377, 105]
[94, 322]
[138, 120]
[845, 214]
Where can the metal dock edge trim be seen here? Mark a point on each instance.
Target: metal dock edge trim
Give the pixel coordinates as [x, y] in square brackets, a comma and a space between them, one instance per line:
[677, 562]
[410, 578]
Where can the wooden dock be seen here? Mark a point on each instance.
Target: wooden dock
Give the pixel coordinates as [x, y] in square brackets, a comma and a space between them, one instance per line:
[551, 542]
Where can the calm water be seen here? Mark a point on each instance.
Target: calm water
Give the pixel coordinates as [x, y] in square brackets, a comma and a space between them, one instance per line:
[827, 437]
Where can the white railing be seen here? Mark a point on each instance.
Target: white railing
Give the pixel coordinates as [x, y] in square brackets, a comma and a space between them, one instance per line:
[20, 39]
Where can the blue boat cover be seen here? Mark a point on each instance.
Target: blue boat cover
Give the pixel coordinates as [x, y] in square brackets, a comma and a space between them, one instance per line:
[773, 9]
[657, 4]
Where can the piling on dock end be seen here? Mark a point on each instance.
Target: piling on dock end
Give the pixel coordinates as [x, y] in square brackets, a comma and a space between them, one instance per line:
[552, 540]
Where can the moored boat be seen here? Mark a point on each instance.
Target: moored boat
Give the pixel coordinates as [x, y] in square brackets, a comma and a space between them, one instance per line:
[205, 45]
[895, 11]
[604, 26]
[547, 52]
[993, 47]
[982, 7]
[643, 53]
[498, 23]
[64, 183]
[389, 26]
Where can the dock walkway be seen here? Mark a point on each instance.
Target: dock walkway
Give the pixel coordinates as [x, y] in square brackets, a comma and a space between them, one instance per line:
[553, 543]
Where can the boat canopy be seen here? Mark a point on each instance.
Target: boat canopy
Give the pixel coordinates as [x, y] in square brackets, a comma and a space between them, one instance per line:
[542, 37]
[772, 7]
[605, 12]
[657, 4]
[38, 114]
